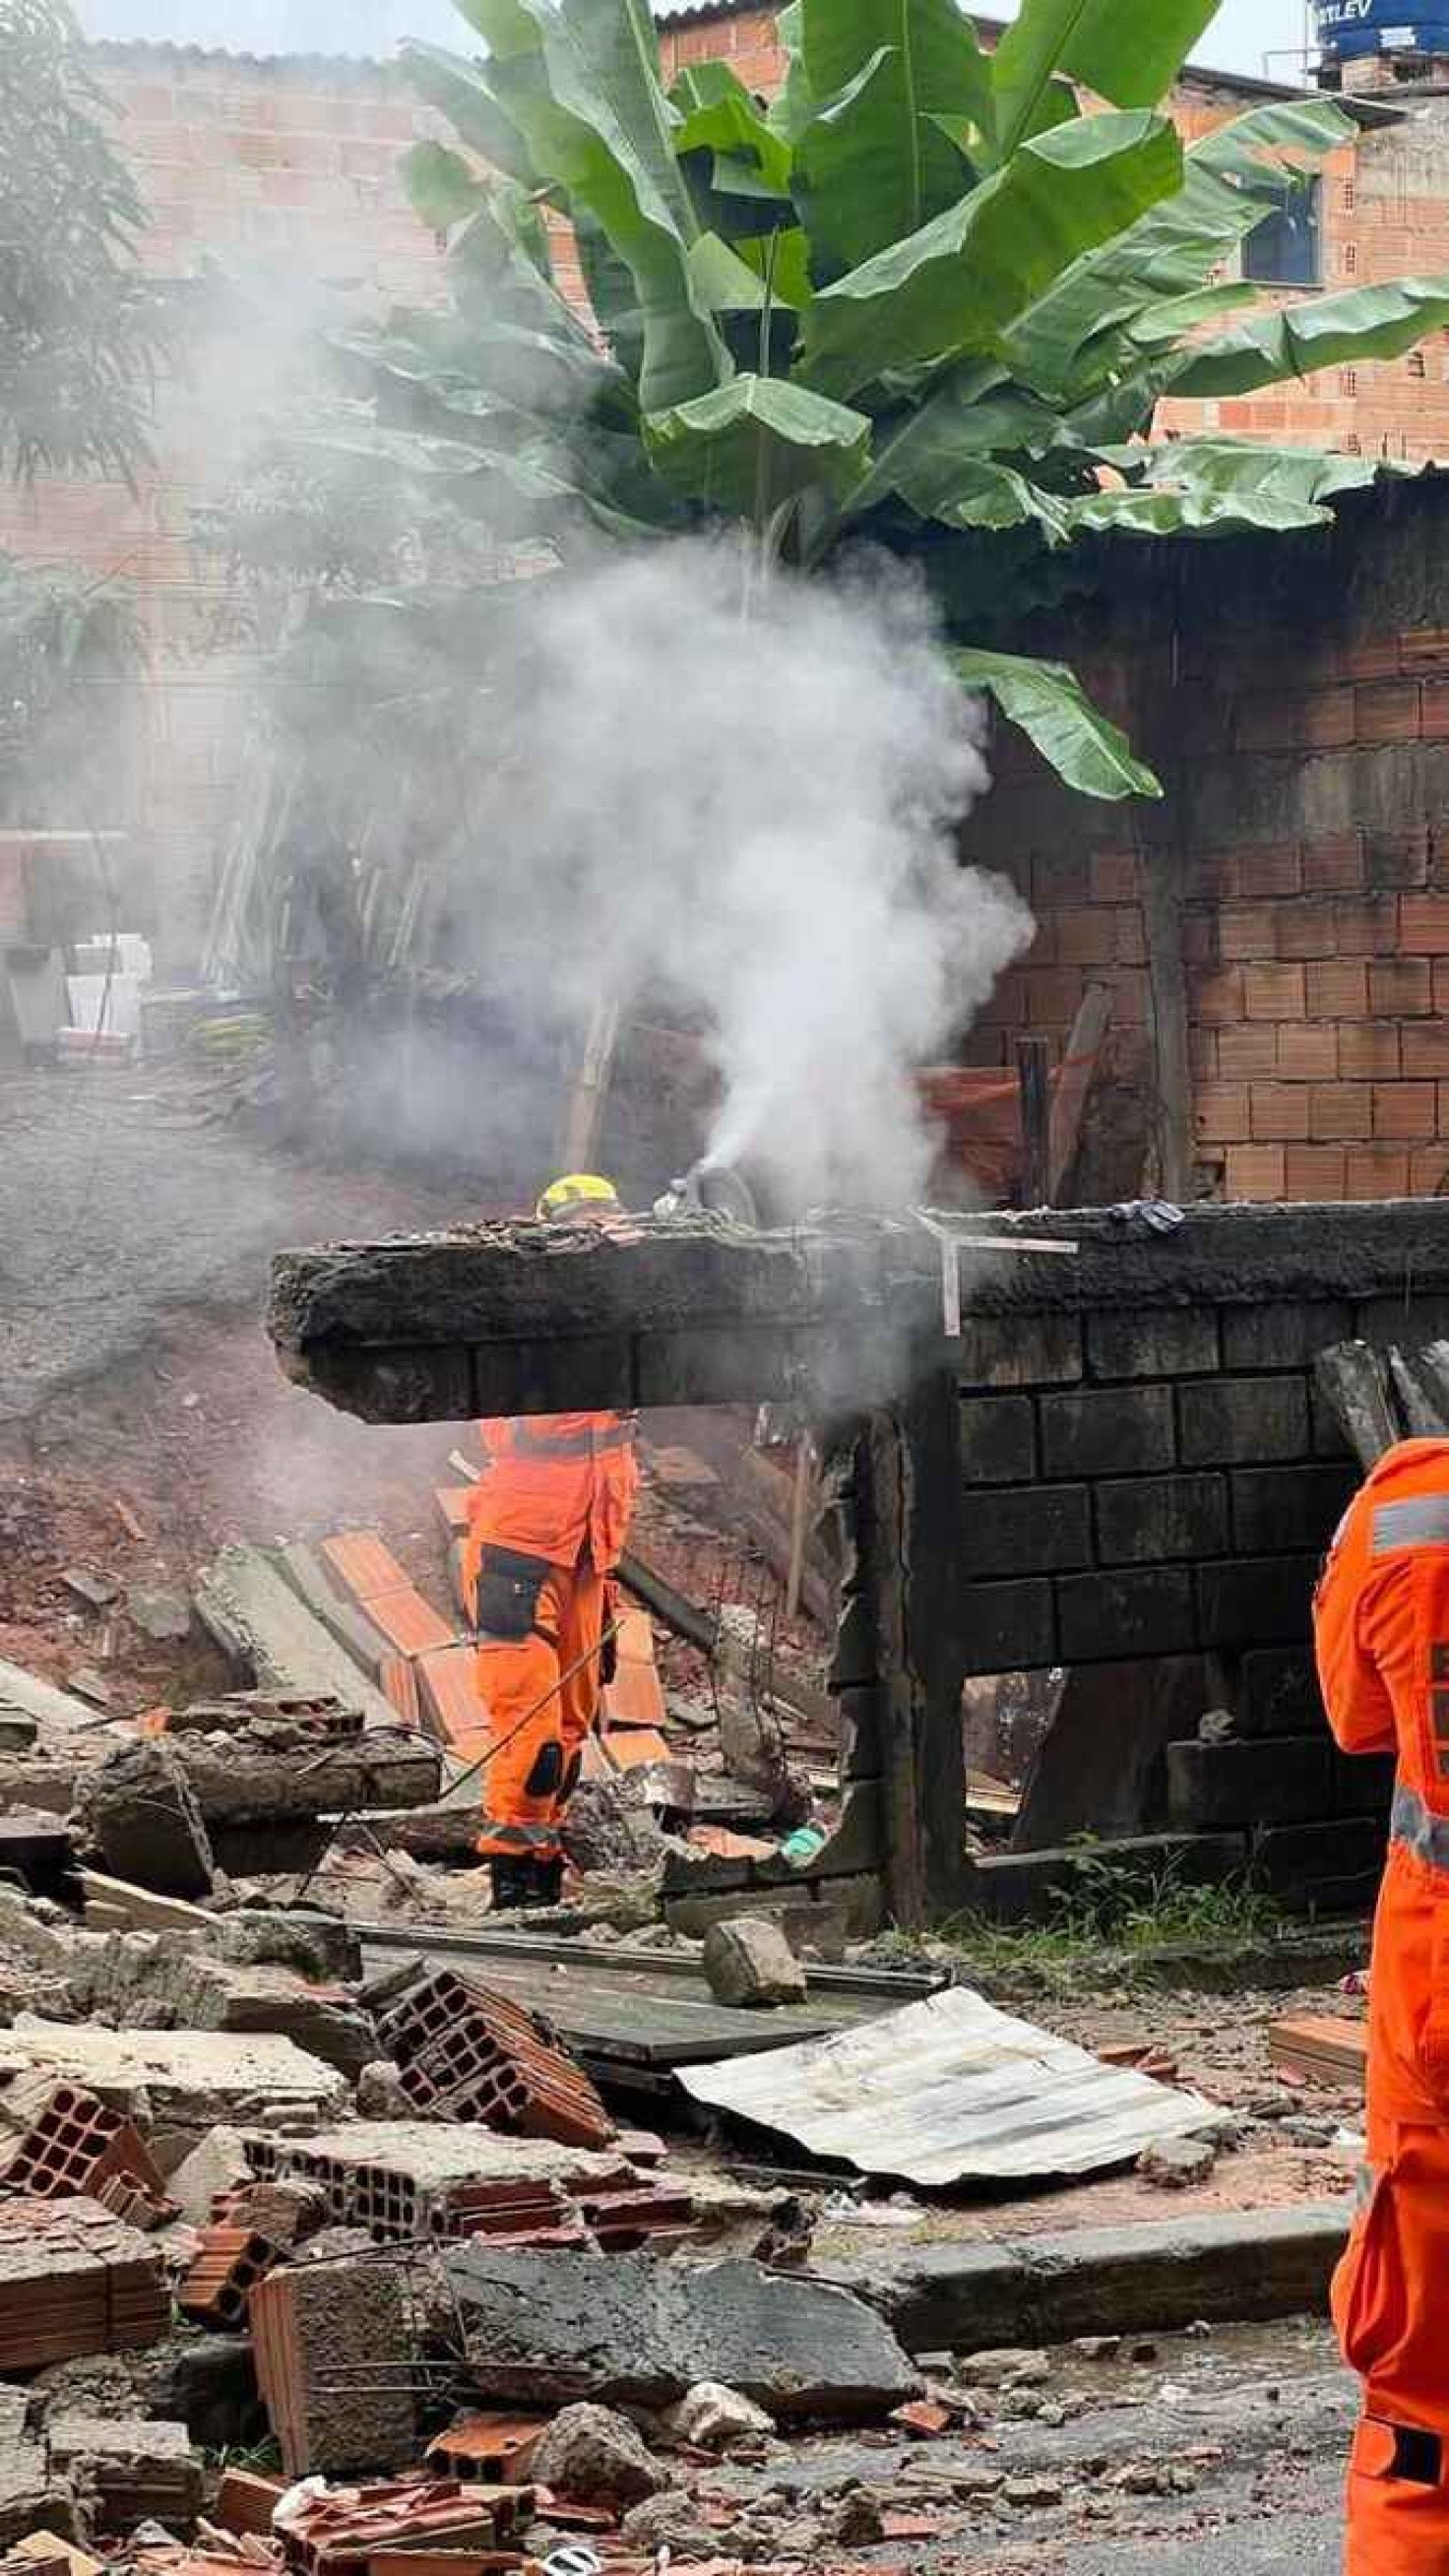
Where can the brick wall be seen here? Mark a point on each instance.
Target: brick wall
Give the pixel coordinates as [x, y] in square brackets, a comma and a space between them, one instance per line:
[1160, 1479]
[1293, 693]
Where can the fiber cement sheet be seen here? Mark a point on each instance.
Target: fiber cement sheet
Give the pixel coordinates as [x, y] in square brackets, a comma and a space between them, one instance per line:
[951, 2090]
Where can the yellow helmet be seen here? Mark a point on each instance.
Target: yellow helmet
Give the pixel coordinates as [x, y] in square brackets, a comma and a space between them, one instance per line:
[577, 1189]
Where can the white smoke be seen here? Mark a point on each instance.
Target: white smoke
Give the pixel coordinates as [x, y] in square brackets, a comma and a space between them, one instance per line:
[750, 791]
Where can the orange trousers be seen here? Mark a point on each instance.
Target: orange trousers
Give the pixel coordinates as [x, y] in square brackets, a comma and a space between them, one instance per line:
[1391, 2308]
[539, 1720]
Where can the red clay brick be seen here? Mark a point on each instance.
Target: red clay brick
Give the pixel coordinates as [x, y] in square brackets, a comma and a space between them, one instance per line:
[1308, 1051]
[1425, 1050]
[1085, 938]
[1337, 990]
[1274, 867]
[1391, 711]
[1372, 657]
[409, 1623]
[1306, 929]
[1400, 988]
[1405, 1109]
[1213, 876]
[1314, 1171]
[1424, 648]
[1368, 1051]
[1279, 1112]
[1255, 1172]
[1220, 1113]
[1327, 720]
[1217, 1000]
[1202, 1054]
[1436, 710]
[1267, 724]
[1334, 865]
[1339, 1111]
[1247, 930]
[1053, 996]
[1114, 876]
[1396, 861]
[1369, 927]
[1200, 938]
[1424, 924]
[1129, 933]
[1250, 1048]
[1429, 1171]
[1376, 1172]
[1273, 992]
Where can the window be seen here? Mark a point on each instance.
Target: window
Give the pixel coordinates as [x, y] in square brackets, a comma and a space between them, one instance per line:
[1285, 248]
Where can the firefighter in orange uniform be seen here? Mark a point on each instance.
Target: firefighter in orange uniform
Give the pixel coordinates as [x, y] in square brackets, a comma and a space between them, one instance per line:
[1382, 1620]
[548, 1522]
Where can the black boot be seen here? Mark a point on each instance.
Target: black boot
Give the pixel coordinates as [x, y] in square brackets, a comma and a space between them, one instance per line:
[512, 1885]
[547, 1881]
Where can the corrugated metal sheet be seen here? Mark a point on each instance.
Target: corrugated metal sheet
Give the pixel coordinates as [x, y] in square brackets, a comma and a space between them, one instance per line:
[952, 2090]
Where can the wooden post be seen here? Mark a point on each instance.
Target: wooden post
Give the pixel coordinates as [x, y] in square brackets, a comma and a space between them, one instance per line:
[591, 1090]
[1160, 867]
[1074, 1084]
[1033, 1073]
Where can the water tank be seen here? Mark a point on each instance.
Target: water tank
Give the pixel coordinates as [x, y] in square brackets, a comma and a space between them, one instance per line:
[1349, 29]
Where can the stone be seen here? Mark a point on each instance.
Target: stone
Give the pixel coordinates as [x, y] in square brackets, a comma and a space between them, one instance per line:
[1178, 2164]
[712, 2418]
[748, 1961]
[34, 2495]
[1032, 2494]
[856, 2521]
[1097, 2347]
[97, 1591]
[590, 2455]
[133, 2467]
[634, 2330]
[163, 1616]
[139, 1810]
[217, 2163]
[666, 2521]
[381, 2094]
[1008, 2368]
[320, 1947]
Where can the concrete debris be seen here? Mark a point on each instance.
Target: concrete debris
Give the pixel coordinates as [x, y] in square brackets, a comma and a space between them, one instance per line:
[546, 2327]
[184, 2080]
[33, 2494]
[381, 2092]
[857, 2521]
[344, 2531]
[247, 1604]
[97, 1591]
[228, 2263]
[270, 1772]
[18, 1729]
[610, 1827]
[332, 2342]
[670, 2521]
[711, 2418]
[1178, 2164]
[590, 2455]
[409, 2178]
[163, 1616]
[139, 1810]
[216, 2164]
[132, 2468]
[748, 1961]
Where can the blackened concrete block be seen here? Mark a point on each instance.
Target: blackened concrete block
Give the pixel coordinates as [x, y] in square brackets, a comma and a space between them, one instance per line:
[1288, 1781]
[1256, 1601]
[1145, 1610]
[1238, 1421]
[1010, 1627]
[998, 1439]
[1153, 1341]
[1108, 1431]
[1363, 1783]
[1284, 1336]
[1333, 1867]
[1283, 1507]
[632, 2330]
[1029, 1529]
[1028, 1887]
[1020, 1350]
[1409, 1320]
[1149, 1520]
[142, 1813]
[1277, 1693]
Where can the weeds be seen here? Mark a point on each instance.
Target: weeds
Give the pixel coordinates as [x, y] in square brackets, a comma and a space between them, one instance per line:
[1107, 1907]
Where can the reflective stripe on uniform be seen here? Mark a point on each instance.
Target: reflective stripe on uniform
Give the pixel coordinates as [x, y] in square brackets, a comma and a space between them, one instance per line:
[1419, 1829]
[1424, 1522]
[520, 1838]
[570, 1444]
[1365, 2185]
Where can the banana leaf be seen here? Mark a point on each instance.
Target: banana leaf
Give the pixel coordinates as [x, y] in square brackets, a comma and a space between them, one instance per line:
[1052, 708]
[876, 162]
[1126, 51]
[1331, 331]
[756, 444]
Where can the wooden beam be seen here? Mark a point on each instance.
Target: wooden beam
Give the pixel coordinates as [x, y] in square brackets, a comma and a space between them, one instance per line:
[1074, 1087]
[1033, 1074]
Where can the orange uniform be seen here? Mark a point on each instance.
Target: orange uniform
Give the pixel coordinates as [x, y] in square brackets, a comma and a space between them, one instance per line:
[547, 1525]
[1382, 1620]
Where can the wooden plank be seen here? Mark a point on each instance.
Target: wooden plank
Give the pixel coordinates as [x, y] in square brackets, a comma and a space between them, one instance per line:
[1352, 1381]
[1073, 1087]
[1321, 2049]
[138, 1908]
[1033, 1074]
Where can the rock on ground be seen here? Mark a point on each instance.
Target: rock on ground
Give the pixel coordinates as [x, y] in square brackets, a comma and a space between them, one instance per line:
[749, 1961]
[590, 2455]
[1178, 2163]
[712, 2418]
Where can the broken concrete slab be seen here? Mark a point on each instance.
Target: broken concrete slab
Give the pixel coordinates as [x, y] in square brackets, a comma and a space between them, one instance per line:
[269, 1773]
[57, 1713]
[133, 2469]
[314, 1945]
[332, 2342]
[397, 2177]
[246, 1603]
[749, 1962]
[634, 2330]
[33, 2496]
[217, 2163]
[184, 2080]
[140, 1811]
[162, 1615]
[37, 1851]
[1231, 2266]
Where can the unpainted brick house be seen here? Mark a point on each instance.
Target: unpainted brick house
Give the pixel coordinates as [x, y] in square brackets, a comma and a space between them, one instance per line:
[1276, 935]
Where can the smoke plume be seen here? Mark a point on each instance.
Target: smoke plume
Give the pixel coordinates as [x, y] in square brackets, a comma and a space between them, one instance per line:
[749, 790]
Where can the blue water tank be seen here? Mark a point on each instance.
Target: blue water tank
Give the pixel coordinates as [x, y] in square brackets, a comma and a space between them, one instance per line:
[1352, 27]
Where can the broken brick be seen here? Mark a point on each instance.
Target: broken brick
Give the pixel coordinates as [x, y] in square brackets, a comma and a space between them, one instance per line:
[227, 2265]
[467, 2054]
[74, 2280]
[330, 2342]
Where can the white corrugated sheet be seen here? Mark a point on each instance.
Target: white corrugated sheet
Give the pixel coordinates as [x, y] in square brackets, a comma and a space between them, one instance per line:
[951, 2090]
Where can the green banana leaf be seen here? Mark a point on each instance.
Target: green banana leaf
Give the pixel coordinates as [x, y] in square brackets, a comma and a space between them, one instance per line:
[1127, 51]
[460, 92]
[719, 115]
[442, 188]
[756, 444]
[1052, 708]
[874, 159]
[1330, 331]
[580, 83]
[955, 286]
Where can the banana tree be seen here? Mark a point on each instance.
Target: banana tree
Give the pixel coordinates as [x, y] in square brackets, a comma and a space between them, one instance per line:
[922, 288]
